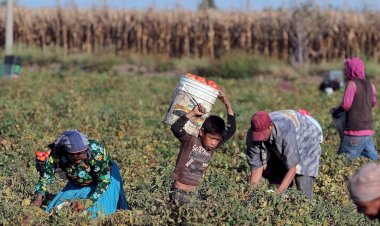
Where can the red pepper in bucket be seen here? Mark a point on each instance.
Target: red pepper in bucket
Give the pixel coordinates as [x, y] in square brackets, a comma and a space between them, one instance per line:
[213, 84]
[203, 80]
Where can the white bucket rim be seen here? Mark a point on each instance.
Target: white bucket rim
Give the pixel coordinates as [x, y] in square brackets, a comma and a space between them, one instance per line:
[205, 86]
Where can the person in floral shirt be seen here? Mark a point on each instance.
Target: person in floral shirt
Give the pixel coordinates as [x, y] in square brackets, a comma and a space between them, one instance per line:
[94, 183]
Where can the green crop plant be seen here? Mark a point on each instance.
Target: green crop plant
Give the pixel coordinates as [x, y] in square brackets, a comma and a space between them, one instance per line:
[126, 112]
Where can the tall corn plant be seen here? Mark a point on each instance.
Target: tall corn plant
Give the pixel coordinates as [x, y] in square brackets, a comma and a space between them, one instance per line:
[303, 30]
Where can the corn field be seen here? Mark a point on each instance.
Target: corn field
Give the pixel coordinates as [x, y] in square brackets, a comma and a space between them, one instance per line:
[293, 35]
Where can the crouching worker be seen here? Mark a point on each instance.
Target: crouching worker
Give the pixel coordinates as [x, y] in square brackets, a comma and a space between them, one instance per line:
[94, 181]
[284, 145]
[196, 152]
[364, 188]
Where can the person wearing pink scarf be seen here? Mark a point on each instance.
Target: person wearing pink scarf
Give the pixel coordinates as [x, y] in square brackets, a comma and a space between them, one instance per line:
[358, 100]
[364, 188]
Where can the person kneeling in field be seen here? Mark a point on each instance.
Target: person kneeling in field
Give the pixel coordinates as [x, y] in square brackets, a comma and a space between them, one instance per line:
[283, 145]
[364, 188]
[95, 184]
[196, 152]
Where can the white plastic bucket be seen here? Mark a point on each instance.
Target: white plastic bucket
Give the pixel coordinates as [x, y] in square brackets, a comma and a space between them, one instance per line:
[187, 90]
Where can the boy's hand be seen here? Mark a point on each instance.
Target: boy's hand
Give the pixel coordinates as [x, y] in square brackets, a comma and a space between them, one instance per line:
[226, 102]
[223, 98]
[198, 111]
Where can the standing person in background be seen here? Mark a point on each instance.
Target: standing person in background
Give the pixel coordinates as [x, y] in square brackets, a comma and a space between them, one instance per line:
[364, 188]
[358, 100]
[283, 145]
[196, 152]
[95, 183]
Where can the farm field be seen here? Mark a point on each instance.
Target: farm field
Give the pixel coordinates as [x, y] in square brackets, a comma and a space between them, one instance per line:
[125, 111]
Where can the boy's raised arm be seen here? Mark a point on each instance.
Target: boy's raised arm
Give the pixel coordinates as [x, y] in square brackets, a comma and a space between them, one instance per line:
[226, 102]
[177, 127]
[231, 121]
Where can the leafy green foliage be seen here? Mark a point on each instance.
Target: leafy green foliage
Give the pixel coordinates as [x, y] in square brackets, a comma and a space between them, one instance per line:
[126, 113]
[241, 65]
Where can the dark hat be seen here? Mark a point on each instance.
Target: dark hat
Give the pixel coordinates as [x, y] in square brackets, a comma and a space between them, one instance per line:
[260, 123]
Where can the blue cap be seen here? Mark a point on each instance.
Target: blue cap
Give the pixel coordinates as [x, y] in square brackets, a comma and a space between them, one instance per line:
[73, 141]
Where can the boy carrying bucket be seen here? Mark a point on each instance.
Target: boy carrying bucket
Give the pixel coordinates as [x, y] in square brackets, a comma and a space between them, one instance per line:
[196, 152]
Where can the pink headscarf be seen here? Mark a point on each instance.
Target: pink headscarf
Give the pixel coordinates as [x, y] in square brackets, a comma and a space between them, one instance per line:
[364, 186]
[354, 68]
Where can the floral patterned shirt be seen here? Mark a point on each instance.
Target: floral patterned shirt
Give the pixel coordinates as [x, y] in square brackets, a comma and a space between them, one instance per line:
[96, 168]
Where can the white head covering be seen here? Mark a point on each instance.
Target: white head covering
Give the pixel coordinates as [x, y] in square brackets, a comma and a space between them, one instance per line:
[364, 186]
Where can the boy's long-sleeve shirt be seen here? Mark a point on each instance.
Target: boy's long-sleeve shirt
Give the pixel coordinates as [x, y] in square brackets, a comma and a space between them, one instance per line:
[193, 158]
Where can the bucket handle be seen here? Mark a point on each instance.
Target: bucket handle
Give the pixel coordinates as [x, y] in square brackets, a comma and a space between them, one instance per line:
[189, 96]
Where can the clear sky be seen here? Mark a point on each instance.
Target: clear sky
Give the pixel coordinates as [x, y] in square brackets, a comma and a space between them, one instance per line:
[192, 4]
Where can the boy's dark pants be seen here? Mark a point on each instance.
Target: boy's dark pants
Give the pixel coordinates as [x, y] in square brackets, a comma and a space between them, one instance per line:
[181, 198]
